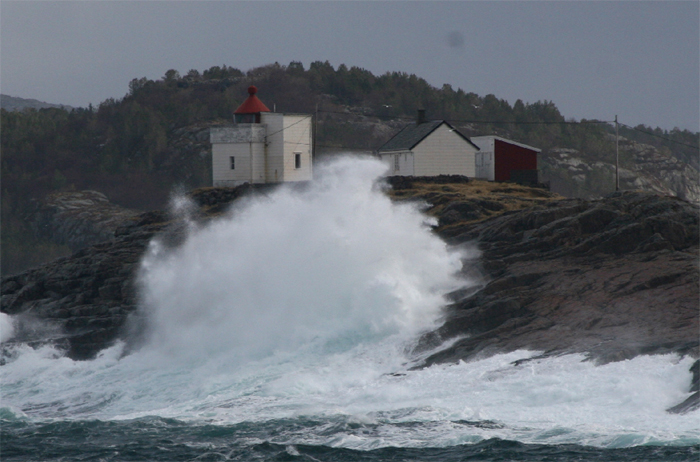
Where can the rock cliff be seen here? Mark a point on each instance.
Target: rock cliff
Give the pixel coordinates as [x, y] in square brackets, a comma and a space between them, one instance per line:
[611, 278]
[81, 302]
[572, 173]
[78, 219]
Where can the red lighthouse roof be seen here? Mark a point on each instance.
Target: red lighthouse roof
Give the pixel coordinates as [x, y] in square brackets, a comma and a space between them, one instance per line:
[252, 105]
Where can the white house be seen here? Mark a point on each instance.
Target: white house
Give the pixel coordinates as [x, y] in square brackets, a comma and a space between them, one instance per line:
[429, 148]
[261, 146]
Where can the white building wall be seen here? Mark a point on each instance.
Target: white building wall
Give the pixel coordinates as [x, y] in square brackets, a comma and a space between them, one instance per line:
[398, 163]
[258, 168]
[244, 171]
[297, 140]
[222, 173]
[444, 152]
[243, 142]
[387, 160]
[485, 164]
[274, 169]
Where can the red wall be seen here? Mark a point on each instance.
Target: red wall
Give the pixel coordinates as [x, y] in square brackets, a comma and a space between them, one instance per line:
[510, 157]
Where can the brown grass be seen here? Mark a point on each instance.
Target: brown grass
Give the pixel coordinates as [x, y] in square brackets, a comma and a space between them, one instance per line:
[509, 195]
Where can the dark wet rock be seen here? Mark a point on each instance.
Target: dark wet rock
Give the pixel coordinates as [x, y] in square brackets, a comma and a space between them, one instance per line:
[690, 404]
[695, 382]
[455, 212]
[693, 401]
[611, 279]
[81, 303]
[84, 298]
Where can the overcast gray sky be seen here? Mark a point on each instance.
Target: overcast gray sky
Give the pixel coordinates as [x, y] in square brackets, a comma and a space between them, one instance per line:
[594, 59]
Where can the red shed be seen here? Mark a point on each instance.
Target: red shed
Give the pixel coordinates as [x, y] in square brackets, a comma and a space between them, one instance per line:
[500, 159]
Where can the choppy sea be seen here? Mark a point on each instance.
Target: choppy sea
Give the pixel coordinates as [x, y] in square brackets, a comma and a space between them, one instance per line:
[286, 331]
[352, 405]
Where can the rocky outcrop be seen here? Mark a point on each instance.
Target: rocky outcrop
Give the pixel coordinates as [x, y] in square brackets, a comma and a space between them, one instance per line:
[81, 302]
[693, 401]
[78, 219]
[642, 167]
[611, 278]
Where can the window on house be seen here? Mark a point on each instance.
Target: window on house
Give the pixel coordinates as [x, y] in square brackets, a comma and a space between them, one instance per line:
[297, 160]
[396, 163]
[233, 162]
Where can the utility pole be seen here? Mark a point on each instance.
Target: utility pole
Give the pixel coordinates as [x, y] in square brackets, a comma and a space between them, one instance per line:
[617, 155]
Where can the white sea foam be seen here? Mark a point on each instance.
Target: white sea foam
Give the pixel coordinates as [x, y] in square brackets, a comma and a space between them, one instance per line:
[336, 264]
[357, 404]
[7, 328]
[300, 306]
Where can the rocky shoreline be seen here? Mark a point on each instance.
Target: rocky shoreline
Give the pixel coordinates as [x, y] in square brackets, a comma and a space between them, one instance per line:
[610, 278]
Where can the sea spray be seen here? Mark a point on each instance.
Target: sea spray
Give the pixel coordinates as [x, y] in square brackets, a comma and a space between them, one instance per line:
[332, 264]
[7, 327]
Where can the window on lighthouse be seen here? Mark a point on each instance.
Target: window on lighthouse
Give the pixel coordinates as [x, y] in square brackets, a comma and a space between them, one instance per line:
[246, 118]
[233, 162]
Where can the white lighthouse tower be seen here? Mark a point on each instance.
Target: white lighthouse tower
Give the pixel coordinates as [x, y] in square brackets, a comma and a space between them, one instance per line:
[261, 146]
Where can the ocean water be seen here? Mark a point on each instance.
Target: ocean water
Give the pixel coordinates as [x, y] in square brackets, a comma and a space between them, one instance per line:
[285, 331]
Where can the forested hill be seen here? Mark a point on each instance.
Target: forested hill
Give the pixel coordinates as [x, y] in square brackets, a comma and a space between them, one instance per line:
[13, 103]
[136, 149]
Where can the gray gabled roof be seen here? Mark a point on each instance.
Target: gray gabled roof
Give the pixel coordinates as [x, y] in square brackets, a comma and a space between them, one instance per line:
[412, 134]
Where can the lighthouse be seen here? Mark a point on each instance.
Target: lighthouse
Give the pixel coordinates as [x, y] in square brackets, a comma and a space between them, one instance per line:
[261, 146]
